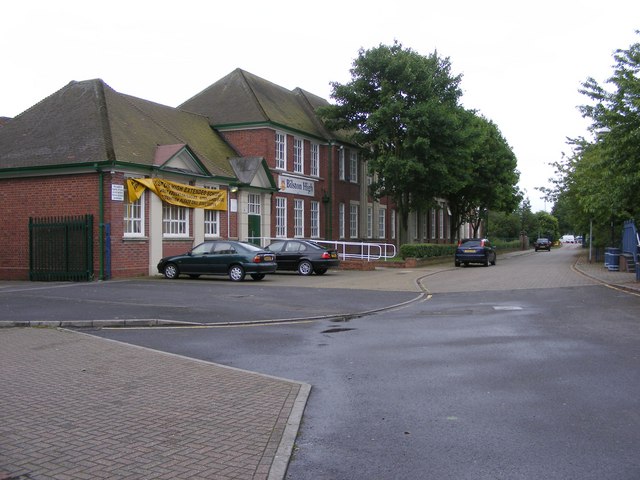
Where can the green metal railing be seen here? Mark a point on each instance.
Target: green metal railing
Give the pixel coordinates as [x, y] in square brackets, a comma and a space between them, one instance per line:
[61, 248]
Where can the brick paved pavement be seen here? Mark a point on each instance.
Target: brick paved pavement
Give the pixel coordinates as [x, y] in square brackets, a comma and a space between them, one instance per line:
[74, 406]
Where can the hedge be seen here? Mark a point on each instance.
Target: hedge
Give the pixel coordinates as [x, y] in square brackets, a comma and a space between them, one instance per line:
[428, 250]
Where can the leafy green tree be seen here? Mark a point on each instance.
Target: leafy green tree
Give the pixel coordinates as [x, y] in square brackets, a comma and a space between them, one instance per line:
[528, 224]
[503, 226]
[491, 181]
[600, 181]
[403, 108]
[547, 226]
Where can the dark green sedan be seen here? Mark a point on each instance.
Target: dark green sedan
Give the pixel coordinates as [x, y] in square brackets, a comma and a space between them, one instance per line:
[220, 257]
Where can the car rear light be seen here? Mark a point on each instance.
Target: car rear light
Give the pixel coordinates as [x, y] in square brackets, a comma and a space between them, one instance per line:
[326, 255]
[257, 259]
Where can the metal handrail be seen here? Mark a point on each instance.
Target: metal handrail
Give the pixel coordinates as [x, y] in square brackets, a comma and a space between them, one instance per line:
[369, 251]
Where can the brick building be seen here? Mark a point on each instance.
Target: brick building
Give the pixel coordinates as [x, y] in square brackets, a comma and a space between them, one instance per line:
[72, 154]
[254, 158]
[322, 181]
[257, 146]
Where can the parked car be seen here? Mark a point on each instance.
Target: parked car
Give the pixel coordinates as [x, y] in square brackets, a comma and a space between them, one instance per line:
[475, 250]
[568, 239]
[542, 244]
[305, 256]
[220, 257]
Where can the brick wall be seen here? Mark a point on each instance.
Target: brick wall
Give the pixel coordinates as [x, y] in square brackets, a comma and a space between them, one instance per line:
[22, 198]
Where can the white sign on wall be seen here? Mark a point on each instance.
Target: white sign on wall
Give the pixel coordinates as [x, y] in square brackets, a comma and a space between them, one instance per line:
[117, 193]
[298, 186]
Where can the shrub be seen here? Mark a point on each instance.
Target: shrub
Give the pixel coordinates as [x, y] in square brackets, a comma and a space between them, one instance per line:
[429, 250]
[426, 250]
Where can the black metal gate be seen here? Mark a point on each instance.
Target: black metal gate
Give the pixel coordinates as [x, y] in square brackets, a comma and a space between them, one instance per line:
[61, 248]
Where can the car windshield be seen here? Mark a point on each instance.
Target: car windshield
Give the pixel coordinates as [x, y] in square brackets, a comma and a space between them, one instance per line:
[250, 246]
[276, 246]
[543, 240]
[471, 243]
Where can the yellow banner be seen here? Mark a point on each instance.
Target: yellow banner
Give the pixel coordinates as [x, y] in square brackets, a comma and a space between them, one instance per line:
[178, 193]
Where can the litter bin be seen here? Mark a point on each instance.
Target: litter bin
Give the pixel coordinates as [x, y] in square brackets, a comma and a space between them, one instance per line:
[612, 259]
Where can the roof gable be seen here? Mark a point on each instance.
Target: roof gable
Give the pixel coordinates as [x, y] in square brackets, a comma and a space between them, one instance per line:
[177, 158]
[68, 126]
[88, 122]
[253, 171]
[242, 98]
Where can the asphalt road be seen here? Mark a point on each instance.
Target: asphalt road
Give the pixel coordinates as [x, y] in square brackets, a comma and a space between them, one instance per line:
[525, 370]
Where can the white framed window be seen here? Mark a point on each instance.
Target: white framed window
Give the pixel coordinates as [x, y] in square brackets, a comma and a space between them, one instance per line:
[298, 155]
[281, 151]
[369, 221]
[211, 219]
[281, 217]
[314, 220]
[393, 224]
[298, 218]
[353, 220]
[425, 225]
[315, 160]
[433, 223]
[211, 223]
[341, 223]
[441, 222]
[353, 167]
[134, 217]
[175, 221]
[382, 224]
[254, 204]
[341, 172]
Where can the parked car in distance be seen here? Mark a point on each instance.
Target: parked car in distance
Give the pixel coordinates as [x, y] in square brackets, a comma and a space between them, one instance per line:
[542, 244]
[568, 239]
[475, 250]
[305, 256]
[220, 257]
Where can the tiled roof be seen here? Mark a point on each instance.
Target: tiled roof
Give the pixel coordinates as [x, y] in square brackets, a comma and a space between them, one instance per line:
[241, 98]
[87, 122]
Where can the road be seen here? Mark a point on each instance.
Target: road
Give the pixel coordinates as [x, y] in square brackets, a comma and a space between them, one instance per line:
[525, 370]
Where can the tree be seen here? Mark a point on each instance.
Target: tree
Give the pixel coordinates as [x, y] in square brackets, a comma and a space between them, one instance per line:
[547, 226]
[403, 108]
[491, 181]
[600, 180]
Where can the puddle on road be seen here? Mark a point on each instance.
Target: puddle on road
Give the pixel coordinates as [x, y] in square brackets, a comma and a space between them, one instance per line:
[337, 330]
[480, 309]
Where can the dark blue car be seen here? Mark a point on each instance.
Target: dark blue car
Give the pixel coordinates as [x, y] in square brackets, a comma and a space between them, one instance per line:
[475, 250]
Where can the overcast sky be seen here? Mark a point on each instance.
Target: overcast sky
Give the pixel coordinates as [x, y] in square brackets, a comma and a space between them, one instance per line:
[522, 63]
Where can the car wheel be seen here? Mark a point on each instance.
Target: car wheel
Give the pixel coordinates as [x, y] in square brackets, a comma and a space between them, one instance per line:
[320, 271]
[236, 273]
[457, 263]
[257, 276]
[494, 260]
[486, 262]
[305, 267]
[171, 271]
